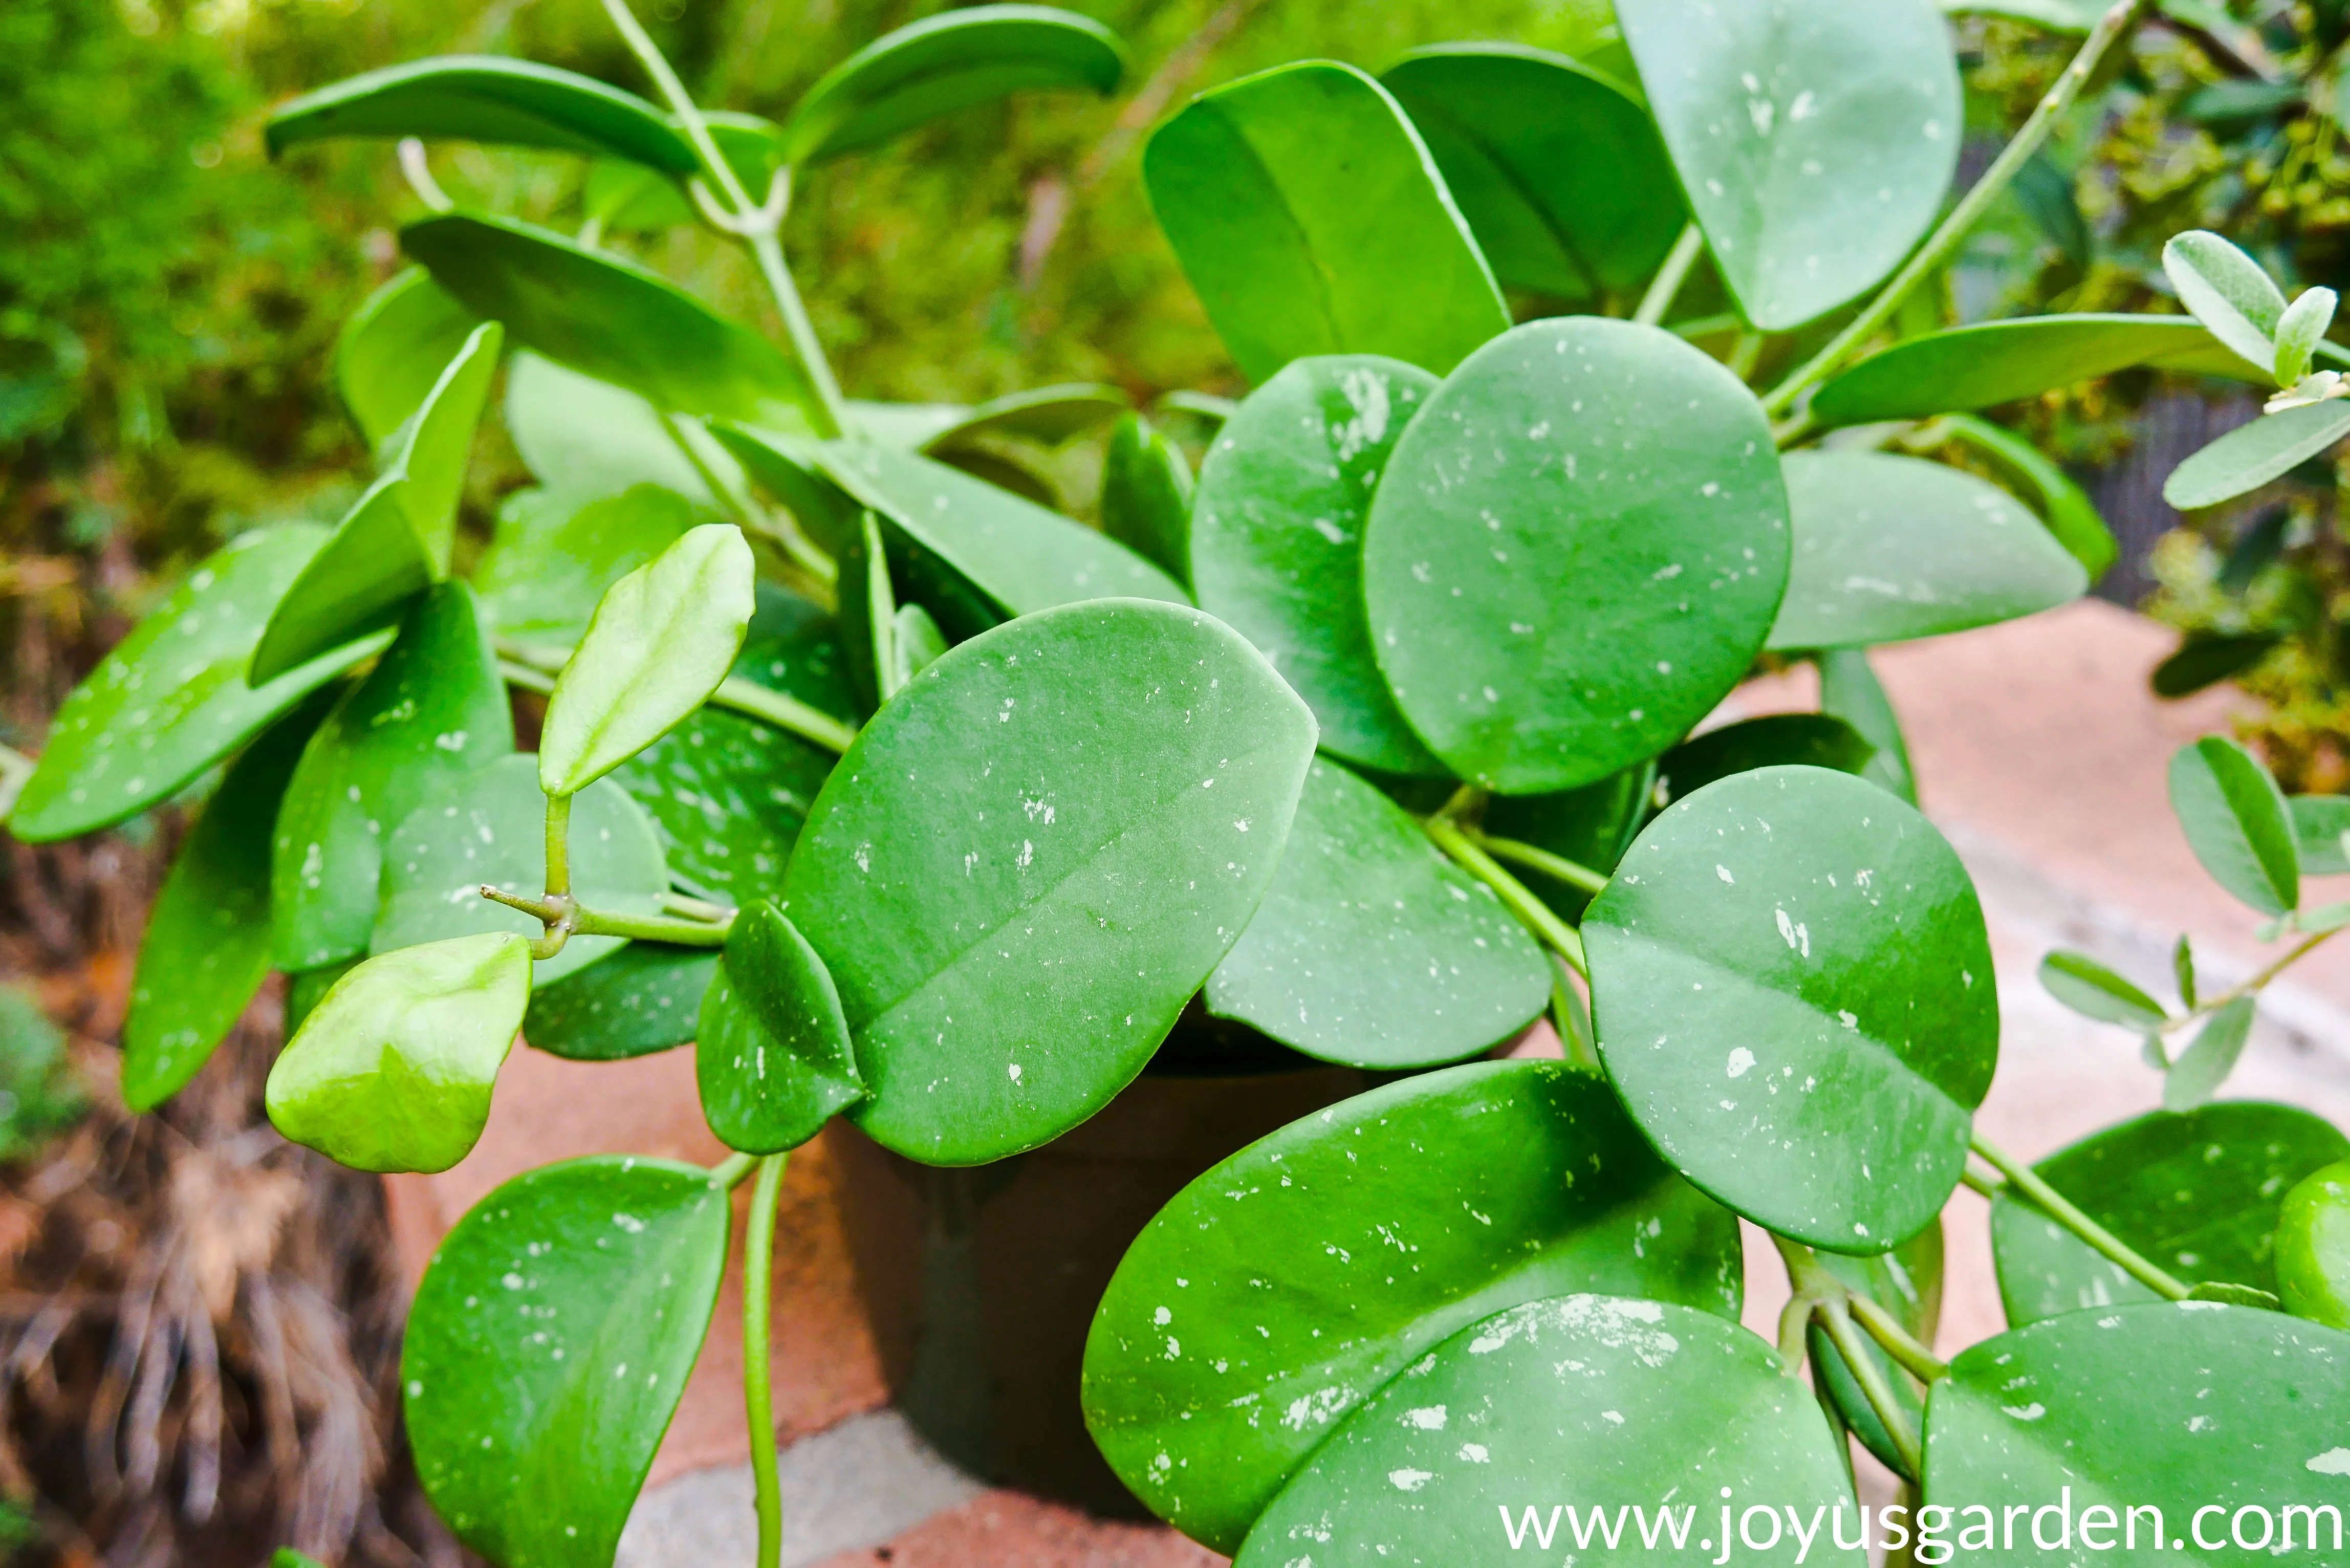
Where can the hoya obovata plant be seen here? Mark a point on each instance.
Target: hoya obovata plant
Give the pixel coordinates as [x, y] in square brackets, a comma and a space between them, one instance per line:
[904, 799]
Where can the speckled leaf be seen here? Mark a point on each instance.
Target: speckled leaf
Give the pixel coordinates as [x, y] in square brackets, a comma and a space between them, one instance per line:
[206, 947]
[660, 640]
[772, 1057]
[1146, 496]
[1311, 220]
[1281, 1289]
[2321, 828]
[1908, 1283]
[1774, 739]
[548, 1349]
[488, 99]
[490, 826]
[1576, 551]
[610, 318]
[2119, 1406]
[1558, 168]
[944, 63]
[552, 558]
[974, 554]
[1276, 545]
[1889, 548]
[433, 709]
[1588, 1402]
[2312, 1250]
[394, 348]
[2250, 455]
[645, 998]
[1793, 992]
[392, 1069]
[582, 438]
[395, 542]
[1815, 139]
[2197, 1194]
[1032, 857]
[1373, 950]
[171, 700]
[2237, 822]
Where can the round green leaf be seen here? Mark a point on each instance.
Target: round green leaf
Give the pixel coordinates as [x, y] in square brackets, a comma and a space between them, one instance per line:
[645, 998]
[397, 539]
[2312, 1250]
[1576, 551]
[1032, 857]
[945, 63]
[2092, 990]
[433, 708]
[171, 700]
[974, 554]
[1815, 137]
[1994, 362]
[2190, 1409]
[552, 559]
[662, 639]
[489, 826]
[206, 948]
[1146, 496]
[1372, 949]
[548, 1347]
[394, 349]
[487, 99]
[1775, 740]
[773, 1054]
[2228, 293]
[582, 438]
[1793, 992]
[1890, 548]
[2321, 827]
[392, 1069]
[1311, 220]
[1558, 168]
[610, 318]
[1642, 1413]
[1281, 1289]
[1276, 541]
[2238, 823]
[1908, 1283]
[2245, 458]
[2198, 1194]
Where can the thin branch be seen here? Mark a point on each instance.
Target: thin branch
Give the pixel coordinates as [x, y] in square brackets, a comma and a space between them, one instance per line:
[1916, 1357]
[1667, 285]
[1836, 1318]
[417, 171]
[1538, 917]
[1536, 859]
[2028, 1181]
[758, 1400]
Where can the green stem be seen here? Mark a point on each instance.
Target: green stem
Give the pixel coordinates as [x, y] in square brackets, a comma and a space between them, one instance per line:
[524, 667]
[769, 250]
[1905, 1348]
[1536, 859]
[729, 1172]
[559, 912]
[1836, 1318]
[2111, 28]
[1666, 284]
[1538, 917]
[2028, 1181]
[1977, 1182]
[2253, 986]
[559, 846]
[758, 1400]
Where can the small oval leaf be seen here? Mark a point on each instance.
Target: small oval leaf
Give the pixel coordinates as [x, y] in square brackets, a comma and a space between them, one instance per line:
[2321, 827]
[392, 1069]
[2226, 291]
[2205, 1064]
[2247, 458]
[773, 1056]
[2238, 823]
[487, 99]
[2092, 990]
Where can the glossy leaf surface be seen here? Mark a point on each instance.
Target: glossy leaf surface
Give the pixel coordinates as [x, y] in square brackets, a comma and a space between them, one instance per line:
[2197, 1194]
[171, 700]
[1146, 496]
[1578, 547]
[2321, 827]
[972, 555]
[1815, 137]
[1276, 541]
[944, 63]
[2237, 822]
[2250, 456]
[394, 348]
[205, 951]
[1890, 548]
[2092, 990]
[1793, 992]
[1629, 1398]
[490, 827]
[2117, 1405]
[1311, 220]
[582, 438]
[1032, 857]
[1558, 168]
[2067, 510]
[1774, 739]
[645, 998]
[487, 99]
[548, 1347]
[662, 639]
[773, 1054]
[2313, 1256]
[1373, 950]
[552, 558]
[2299, 331]
[1278, 1291]
[392, 1069]
[431, 711]
[609, 318]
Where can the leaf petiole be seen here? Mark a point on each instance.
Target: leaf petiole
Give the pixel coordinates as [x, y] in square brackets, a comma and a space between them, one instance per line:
[1667, 285]
[1536, 858]
[2028, 1181]
[1539, 918]
[758, 1402]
